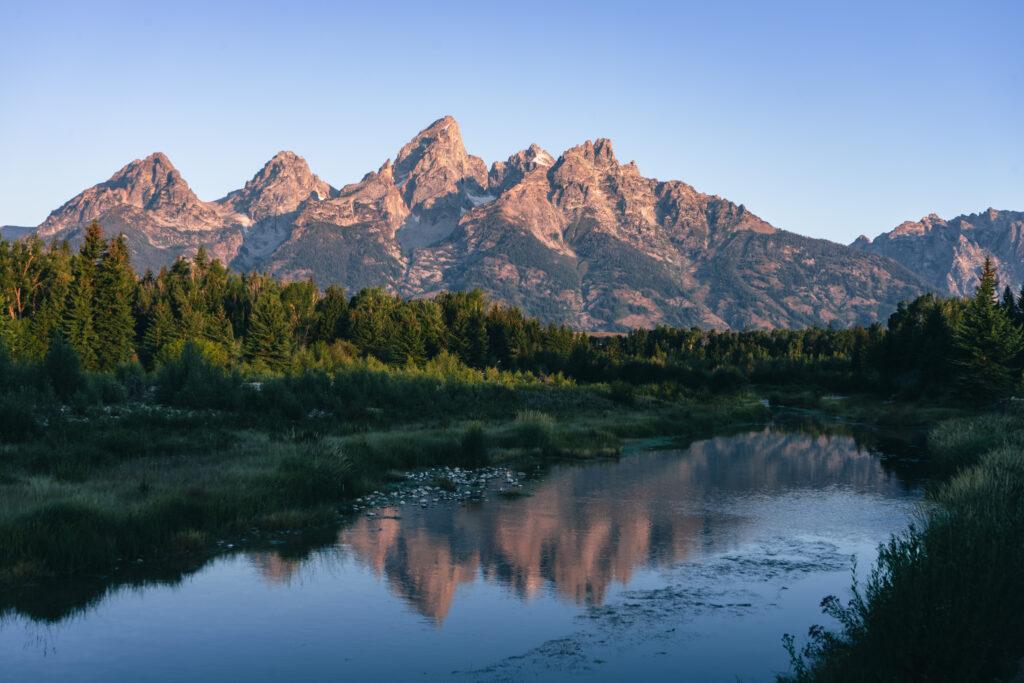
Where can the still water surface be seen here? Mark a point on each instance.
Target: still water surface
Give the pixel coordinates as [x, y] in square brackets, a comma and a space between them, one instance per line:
[665, 565]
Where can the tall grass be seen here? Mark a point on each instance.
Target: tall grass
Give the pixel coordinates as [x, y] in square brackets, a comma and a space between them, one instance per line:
[961, 442]
[100, 469]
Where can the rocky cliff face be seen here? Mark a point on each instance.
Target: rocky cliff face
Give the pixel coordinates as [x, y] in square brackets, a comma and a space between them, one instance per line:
[949, 254]
[152, 187]
[152, 205]
[281, 185]
[587, 239]
[580, 238]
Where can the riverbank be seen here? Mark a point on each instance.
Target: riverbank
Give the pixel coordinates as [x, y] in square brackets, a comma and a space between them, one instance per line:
[99, 487]
[945, 600]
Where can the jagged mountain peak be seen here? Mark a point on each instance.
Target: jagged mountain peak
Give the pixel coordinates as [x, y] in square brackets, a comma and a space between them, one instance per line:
[919, 227]
[597, 153]
[441, 141]
[151, 184]
[386, 170]
[504, 174]
[155, 160]
[286, 156]
[282, 163]
[143, 177]
[283, 183]
[434, 166]
[537, 155]
[446, 122]
[949, 253]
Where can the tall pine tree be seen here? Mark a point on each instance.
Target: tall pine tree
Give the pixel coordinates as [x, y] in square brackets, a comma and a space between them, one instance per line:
[112, 307]
[79, 318]
[331, 315]
[405, 343]
[269, 338]
[1009, 303]
[48, 319]
[989, 344]
[162, 330]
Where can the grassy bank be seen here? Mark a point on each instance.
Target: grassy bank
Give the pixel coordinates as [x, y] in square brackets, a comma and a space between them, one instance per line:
[945, 600]
[149, 467]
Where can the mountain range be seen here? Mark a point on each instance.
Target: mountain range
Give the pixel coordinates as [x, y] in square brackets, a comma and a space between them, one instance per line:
[948, 255]
[581, 239]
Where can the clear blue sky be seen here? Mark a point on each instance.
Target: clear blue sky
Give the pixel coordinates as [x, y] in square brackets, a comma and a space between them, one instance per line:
[830, 119]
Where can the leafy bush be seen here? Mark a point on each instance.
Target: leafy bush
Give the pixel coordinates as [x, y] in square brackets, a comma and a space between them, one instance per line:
[63, 369]
[18, 421]
[622, 392]
[132, 377]
[105, 389]
[191, 380]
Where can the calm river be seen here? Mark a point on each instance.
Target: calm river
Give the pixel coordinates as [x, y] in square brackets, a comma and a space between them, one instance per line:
[664, 565]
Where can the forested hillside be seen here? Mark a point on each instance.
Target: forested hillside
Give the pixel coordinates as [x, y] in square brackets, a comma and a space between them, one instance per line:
[92, 301]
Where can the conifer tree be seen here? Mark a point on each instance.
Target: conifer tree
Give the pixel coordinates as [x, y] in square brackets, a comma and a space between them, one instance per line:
[989, 345]
[79, 327]
[269, 338]
[62, 367]
[92, 245]
[476, 340]
[431, 322]
[299, 300]
[370, 321]
[331, 313]
[55, 288]
[162, 330]
[112, 306]
[406, 343]
[1009, 303]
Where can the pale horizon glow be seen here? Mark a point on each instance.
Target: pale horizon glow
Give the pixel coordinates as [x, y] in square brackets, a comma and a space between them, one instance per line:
[825, 120]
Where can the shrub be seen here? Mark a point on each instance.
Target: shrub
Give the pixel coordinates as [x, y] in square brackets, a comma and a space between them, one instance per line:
[191, 380]
[133, 379]
[62, 368]
[18, 421]
[726, 380]
[622, 392]
[106, 389]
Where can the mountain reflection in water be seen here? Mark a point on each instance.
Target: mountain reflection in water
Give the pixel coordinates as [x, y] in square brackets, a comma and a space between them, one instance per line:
[583, 528]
